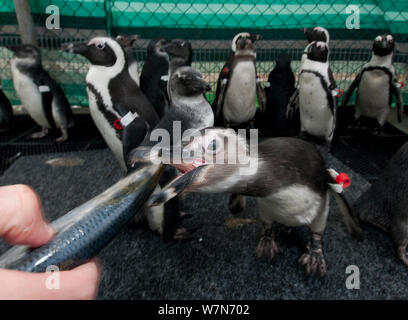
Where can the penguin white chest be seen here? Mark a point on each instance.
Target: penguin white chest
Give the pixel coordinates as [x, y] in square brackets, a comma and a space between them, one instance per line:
[294, 205]
[240, 98]
[316, 117]
[373, 95]
[106, 129]
[29, 95]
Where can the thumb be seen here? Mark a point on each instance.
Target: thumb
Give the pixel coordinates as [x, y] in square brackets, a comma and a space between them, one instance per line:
[21, 217]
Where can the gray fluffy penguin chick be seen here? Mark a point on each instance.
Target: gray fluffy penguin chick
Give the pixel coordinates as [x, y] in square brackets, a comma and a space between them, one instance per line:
[385, 204]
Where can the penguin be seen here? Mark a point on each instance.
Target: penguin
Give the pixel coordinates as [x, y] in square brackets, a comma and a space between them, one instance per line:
[121, 112]
[312, 34]
[316, 101]
[127, 41]
[376, 85]
[281, 85]
[154, 76]
[385, 203]
[287, 176]
[181, 52]
[41, 96]
[237, 86]
[189, 111]
[6, 112]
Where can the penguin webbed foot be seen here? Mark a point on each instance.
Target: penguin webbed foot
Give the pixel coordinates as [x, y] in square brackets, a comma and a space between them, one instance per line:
[39, 135]
[64, 136]
[313, 258]
[267, 247]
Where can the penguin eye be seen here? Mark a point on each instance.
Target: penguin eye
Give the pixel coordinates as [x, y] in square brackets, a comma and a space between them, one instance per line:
[100, 46]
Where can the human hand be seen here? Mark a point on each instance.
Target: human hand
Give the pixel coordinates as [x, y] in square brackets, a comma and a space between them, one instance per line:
[22, 222]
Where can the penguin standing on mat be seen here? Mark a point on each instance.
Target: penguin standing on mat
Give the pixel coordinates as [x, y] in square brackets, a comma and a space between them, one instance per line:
[127, 42]
[189, 112]
[154, 77]
[41, 96]
[237, 87]
[316, 102]
[376, 85]
[122, 114]
[281, 85]
[287, 176]
[6, 112]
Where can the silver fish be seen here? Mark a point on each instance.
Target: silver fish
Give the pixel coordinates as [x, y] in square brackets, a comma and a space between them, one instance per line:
[84, 231]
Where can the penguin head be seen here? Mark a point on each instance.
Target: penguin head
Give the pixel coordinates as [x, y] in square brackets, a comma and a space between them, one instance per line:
[283, 61]
[100, 51]
[383, 45]
[244, 41]
[208, 147]
[188, 82]
[180, 48]
[318, 51]
[157, 46]
[27, 52]
[127, 40]
[316, 34]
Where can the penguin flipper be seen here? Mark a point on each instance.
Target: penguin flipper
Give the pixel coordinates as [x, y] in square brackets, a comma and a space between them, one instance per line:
[351, 89]
[261, 97]
[400, 106]
[293, 105]
[46, 98]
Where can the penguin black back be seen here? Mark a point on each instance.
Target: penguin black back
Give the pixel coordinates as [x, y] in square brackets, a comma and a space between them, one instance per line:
[6, 112]
[155, 68]
[281, 87]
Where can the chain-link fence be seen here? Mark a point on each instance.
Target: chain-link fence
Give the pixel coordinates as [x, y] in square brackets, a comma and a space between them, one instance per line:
[210, 25]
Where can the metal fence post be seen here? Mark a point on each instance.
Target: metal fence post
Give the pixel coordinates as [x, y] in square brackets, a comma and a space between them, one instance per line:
[25, 22]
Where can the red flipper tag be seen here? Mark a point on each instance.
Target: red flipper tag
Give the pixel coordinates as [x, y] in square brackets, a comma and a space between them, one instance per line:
[117, 124]
[402, 84]
[225, 70]
[343, 179]
[339, 93]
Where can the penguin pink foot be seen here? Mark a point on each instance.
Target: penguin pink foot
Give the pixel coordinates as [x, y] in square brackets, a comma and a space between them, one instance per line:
[313, 258]
[39, 135]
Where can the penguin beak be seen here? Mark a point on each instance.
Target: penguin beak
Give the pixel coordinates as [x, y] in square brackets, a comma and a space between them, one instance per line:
[143, 154]
[75, 47]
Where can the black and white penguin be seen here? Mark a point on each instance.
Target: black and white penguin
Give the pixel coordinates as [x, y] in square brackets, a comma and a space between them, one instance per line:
[6, 112]
[316, 101]
[181, 53]
[281, 85]
[237, 86]
[41, 96]
[376, 85]
[288, 177]
[313, 34]
[154, 77]
[122, 114]
[127, 42]
[189, 111]
[385, 203]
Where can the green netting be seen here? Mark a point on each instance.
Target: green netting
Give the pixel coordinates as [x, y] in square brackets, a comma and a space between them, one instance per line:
[210, 24]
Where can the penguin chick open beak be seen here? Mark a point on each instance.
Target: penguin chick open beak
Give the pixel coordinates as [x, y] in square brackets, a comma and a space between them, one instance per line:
[75, 47]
